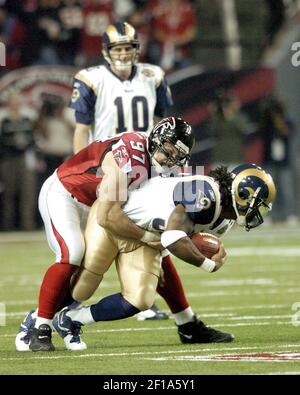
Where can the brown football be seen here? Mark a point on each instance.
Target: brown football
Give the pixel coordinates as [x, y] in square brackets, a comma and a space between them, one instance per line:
[206, 243]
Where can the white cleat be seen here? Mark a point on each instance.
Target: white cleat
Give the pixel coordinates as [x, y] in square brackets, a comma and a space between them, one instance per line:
[21, 343]
[72, 345]
[23, 337]
[151, 314]
[69, 331]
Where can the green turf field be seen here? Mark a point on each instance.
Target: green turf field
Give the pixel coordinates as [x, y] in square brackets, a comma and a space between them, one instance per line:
[251, 296]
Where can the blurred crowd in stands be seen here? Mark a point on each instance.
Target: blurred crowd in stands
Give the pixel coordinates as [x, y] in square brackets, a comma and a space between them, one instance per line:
[32, 145]
[231, 130]
[67, 32]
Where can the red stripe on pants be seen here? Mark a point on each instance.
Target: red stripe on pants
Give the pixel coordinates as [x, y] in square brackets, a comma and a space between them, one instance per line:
[65, 255]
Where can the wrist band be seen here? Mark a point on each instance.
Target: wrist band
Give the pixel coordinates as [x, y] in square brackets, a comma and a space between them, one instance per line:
[149, 236]
[171, 236]
[208, 265]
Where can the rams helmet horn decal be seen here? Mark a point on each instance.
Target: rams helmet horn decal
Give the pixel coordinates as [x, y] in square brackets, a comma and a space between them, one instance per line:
[253, 192]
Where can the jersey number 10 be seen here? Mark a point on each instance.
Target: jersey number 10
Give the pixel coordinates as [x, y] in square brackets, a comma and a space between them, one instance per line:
[140, 114]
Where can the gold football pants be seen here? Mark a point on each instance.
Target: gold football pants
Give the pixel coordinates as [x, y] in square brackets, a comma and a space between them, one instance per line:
[138, 265]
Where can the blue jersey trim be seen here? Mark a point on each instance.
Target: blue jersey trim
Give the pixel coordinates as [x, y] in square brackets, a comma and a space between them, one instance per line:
[83, 118]
[198, 199]
[84, 103]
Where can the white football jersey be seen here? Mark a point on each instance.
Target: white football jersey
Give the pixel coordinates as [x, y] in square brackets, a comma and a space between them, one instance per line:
[112, 105]
[153, 201]
[151, 205]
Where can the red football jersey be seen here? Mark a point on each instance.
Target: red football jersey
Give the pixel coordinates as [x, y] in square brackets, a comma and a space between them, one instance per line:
[81, 174]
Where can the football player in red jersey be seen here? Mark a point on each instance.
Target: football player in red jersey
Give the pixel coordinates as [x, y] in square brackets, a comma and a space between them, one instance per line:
[107, 168]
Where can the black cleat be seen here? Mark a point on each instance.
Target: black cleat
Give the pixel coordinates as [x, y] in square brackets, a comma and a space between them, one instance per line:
[41, 339]
[197, 332]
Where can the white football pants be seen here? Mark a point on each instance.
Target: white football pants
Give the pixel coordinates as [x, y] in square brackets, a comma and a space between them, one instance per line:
[64, 219]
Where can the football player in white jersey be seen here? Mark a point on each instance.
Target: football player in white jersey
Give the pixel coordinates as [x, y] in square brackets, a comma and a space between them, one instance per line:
[179, 207]
[120, 96]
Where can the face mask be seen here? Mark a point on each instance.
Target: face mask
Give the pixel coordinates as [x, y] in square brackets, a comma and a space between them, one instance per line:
[122, 65]
[159, 168]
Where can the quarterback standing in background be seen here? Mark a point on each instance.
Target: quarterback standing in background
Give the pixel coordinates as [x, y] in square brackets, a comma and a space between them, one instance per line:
[120, 96]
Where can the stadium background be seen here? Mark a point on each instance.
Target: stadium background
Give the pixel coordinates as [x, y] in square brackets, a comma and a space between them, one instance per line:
[245, 47]
[238, 47]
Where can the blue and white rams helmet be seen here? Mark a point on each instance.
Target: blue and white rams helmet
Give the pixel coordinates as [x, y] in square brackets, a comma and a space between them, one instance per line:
[253, 192]
[118, 34]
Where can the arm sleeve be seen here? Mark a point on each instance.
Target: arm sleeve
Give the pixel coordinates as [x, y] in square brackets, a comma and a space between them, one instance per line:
[83, 101]
[83, 118]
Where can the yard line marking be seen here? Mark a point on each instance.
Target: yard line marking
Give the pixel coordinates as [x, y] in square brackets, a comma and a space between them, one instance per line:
[229, 316]
[137, 353]
[277, 373]
[218, 293]
[252, 324]
[248, 307]
[163, 328]
[263, 251]
[227, 324]
[285, 356]
[133, 353]
[23, 313]
[205, 308]
[242, 292]
[240, 281]
[259, 317]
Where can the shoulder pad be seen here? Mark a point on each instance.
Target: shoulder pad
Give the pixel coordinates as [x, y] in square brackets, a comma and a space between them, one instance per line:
[90, 77]
[134, 136]
[152, 71]
[200, 199]
[132, 148]
[121, 156]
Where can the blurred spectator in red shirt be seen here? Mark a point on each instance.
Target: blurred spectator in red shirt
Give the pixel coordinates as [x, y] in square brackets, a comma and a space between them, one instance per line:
[174, 25]
[96, 16]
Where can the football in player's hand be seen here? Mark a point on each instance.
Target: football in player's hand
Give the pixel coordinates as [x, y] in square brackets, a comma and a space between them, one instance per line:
[206, 243]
